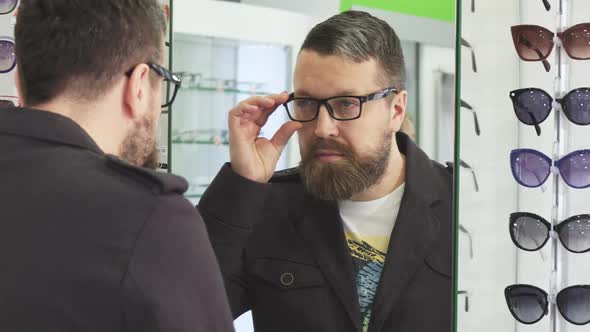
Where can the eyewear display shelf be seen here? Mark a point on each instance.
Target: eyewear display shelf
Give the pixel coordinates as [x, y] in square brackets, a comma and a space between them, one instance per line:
[522, 47]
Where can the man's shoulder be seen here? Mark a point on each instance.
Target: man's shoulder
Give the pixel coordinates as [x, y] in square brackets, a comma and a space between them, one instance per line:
[289, 175]
[144, 179]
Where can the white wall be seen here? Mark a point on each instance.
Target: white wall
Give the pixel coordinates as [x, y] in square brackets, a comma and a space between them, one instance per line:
[497, 262]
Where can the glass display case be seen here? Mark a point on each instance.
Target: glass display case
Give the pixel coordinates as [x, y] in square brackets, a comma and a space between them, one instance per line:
[217, 74]
[515, 271]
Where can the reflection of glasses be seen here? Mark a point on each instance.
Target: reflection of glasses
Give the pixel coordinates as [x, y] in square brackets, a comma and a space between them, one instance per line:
[528, 304]
[473, 63]
[342, 108]
[532, 106]
[7, 6]
[535, 43]
[169, 78]
[466, 293]
[470, 108]
[7, 55]
[531, 168]
[468, 167]
[467, 233]
[9, 101]
[530, 232]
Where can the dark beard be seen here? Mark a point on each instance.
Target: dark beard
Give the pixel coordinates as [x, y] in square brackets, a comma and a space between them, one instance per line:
[348, 177]
[139, 146]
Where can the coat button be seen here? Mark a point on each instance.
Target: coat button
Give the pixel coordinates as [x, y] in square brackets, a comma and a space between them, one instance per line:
[287, 279]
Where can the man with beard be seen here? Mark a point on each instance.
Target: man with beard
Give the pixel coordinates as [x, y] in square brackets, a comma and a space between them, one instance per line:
[358, 237]
[91, 240]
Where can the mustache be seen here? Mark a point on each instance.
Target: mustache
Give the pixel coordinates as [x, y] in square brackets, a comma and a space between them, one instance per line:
[330, 145]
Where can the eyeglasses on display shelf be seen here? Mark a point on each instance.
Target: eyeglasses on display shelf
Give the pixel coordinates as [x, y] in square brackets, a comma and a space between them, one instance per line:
[196, 81]
[531, 168]
[528, 304]
[7, 6]
[466, 106]
[473, 62]
[532, 106]
[341, 108]
[201, 136]
[535, 43]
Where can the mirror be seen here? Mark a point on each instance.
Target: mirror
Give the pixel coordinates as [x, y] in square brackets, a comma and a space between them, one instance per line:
[227, 51]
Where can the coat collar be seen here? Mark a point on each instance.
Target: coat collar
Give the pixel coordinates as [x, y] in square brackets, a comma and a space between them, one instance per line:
[45, 126]
[414, 233]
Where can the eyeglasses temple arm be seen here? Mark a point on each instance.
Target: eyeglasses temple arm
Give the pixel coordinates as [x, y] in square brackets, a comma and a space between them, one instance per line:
[547, 5]
[522, 39]
[535, 123]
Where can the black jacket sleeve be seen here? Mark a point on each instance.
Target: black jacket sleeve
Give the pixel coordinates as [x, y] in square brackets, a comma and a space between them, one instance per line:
[231, 206]
[173, 283]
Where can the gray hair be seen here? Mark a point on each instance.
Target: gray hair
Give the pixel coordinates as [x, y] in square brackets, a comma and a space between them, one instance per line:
[359, 36]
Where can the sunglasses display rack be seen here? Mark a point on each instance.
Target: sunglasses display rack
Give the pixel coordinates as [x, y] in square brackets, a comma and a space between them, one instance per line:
[8, 93]
[523, 248]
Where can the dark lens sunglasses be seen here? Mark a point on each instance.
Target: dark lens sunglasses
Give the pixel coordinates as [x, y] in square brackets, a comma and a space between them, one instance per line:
[531, 232]
[169, 78]
[532, 106]
[528, 304]
[535, 43]
[7, 6]
[7, 55]
[531, 168]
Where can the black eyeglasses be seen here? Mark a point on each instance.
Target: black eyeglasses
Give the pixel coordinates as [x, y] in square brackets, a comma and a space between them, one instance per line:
[341, 108]
[528, 304]
[465, 105]
[531, 232]
[169, 78]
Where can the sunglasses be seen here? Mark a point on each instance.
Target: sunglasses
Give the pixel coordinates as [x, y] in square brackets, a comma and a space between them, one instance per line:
[7, 55]
[535, 43]
[532, 106]
[7, 6]
[531, 232]
[531, 168]
[528, 304]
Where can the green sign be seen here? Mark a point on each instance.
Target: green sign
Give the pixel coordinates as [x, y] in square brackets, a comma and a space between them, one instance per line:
[443, 10]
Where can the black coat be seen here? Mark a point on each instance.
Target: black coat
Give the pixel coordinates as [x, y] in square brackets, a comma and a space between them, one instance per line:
[284, 256]
[91, 243]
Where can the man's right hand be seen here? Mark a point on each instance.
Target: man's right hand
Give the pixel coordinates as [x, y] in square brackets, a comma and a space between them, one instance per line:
[254, 157]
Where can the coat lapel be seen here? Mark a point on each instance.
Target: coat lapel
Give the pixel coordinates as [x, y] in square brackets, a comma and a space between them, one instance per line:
[411, 239]
[322, 229]
[414, 234]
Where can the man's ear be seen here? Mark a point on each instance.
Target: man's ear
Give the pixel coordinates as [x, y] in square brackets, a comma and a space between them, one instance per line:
[135, 94]
[398, 109]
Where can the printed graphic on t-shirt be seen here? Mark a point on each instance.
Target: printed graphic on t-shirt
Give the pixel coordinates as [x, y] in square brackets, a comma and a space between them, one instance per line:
[368, 263]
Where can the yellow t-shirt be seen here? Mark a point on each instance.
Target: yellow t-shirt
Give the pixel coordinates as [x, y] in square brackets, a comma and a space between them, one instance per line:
[368, 227]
